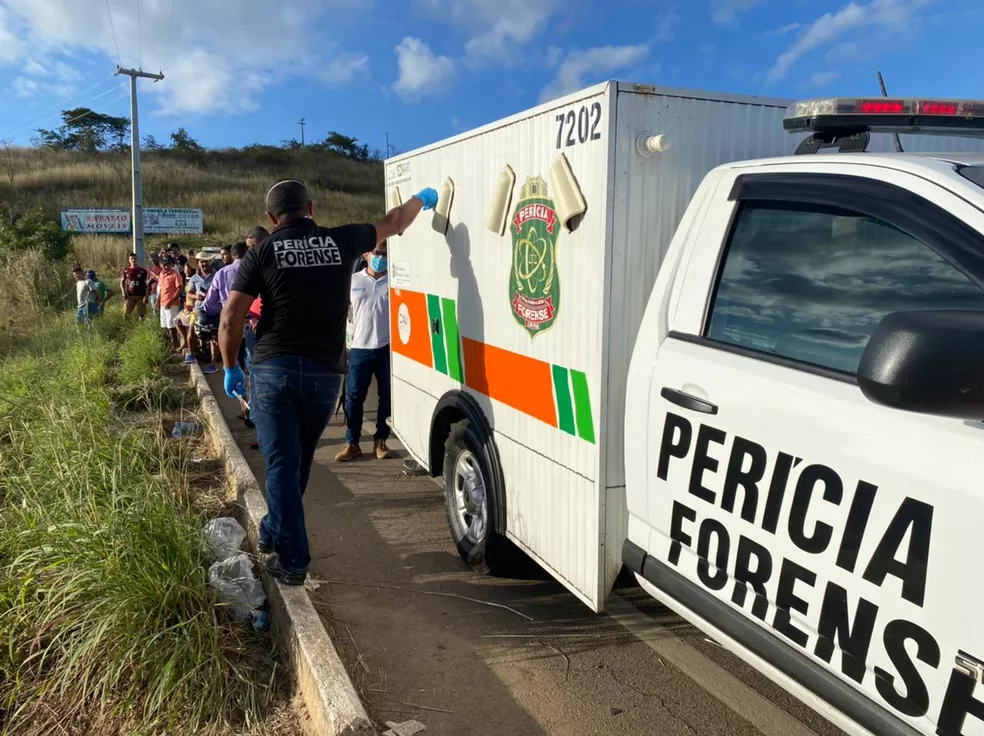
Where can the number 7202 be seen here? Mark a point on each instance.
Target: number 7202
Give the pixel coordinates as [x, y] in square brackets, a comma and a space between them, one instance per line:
[580, 126]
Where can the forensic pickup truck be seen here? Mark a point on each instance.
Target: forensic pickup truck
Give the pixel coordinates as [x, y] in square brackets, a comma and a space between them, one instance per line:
[757, 383]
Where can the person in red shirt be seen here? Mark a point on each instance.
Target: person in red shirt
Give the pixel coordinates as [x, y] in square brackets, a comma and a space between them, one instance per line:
[169, 295]
[133, 285]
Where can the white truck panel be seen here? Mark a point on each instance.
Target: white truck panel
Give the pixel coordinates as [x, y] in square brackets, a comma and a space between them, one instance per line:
[517, 372]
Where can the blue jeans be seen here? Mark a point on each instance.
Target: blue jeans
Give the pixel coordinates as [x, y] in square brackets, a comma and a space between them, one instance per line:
[363, 365]
[85, 313]
[293, 398]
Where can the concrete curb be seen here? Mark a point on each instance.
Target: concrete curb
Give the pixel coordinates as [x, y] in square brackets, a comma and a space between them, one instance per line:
[331, 700]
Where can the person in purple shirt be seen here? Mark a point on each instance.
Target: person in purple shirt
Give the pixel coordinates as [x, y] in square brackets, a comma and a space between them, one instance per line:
[218, 292]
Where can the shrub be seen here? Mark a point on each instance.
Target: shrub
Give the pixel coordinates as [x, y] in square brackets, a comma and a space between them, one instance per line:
[34, 231]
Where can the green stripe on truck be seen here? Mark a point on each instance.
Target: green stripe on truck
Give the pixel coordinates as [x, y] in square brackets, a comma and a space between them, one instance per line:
[562, 391]
[582, 404]
[437, 335]
[451, 339]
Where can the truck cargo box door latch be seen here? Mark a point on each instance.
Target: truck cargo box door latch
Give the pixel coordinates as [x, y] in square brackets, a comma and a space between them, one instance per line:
[681, 398]
[436, 326]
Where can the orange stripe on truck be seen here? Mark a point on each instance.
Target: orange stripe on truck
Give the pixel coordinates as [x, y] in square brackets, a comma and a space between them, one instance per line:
[524, 383]
[418, 344]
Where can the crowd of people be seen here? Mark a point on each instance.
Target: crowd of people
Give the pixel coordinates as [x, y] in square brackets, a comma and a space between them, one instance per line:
[276, 306]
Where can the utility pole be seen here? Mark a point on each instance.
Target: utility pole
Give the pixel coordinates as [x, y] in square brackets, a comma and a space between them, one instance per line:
[387, 144]
[137, 215]
[302, 124]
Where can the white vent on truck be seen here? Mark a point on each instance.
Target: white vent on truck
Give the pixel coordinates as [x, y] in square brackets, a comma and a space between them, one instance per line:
[498, 212]
[442, 211]
[571, 205]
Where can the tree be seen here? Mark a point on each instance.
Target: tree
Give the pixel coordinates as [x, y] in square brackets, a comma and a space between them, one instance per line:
[150, 143]
[86, 130]
[346, 146]
[182, 142]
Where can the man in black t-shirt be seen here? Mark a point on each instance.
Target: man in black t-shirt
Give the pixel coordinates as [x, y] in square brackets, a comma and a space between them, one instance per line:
[302, 272]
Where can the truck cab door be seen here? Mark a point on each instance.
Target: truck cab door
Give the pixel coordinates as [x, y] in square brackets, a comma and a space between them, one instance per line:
[825, 539]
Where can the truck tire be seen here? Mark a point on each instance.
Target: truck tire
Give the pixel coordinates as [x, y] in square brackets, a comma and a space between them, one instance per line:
[469, 499]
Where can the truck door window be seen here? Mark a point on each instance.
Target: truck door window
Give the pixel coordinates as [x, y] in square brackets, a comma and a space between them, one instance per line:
[810, 283]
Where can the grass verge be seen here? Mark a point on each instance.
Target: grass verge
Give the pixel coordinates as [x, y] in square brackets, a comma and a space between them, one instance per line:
[107, 624]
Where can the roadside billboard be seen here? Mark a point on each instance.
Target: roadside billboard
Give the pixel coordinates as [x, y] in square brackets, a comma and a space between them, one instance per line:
[156, 221]
[159, 220]
[115, 220]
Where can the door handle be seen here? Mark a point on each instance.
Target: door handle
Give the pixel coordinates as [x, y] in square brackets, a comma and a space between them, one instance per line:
[682, 398]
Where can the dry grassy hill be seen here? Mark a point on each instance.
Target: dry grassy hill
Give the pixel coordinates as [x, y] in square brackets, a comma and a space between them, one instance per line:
[228, 185]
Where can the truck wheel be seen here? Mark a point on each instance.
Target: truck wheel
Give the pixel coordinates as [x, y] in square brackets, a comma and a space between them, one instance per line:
[468, 498]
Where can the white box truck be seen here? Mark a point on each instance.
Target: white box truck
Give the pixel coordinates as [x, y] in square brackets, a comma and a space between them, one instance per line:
[630, 338]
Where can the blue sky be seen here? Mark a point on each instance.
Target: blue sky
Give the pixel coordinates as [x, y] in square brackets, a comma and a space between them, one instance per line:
[245, 71]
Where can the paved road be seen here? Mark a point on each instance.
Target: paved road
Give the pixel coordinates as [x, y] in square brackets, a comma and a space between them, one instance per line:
[423, 637]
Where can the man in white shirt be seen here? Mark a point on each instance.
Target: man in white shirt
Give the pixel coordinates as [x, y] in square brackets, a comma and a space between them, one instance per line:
[87, 296]
[369, 355]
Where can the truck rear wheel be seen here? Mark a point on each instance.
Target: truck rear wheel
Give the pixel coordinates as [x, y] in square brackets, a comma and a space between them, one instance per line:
[469, 498]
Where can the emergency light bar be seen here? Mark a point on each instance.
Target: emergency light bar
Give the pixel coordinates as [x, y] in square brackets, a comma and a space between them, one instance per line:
[842, 115]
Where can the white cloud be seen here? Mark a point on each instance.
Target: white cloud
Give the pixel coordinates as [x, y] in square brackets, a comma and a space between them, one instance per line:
[498, 30]
[10, 45]
[822, 79]
[665, 23]
[788, 28]
[455, 122]
[890, 15]
[213, 59]
[24, 87]
[725, 11]
[422, 72]
[594, 63]
[553, 55]
[345, 68]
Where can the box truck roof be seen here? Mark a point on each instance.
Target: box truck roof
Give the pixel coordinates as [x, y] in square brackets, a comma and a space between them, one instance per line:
[568, 100]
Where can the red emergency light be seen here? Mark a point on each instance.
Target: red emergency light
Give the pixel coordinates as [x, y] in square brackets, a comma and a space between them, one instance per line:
[884, 114]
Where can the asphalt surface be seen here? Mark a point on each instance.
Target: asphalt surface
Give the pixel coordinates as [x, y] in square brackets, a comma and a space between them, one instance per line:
[425, 638]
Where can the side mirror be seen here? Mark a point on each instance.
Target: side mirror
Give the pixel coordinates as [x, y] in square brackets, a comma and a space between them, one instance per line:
[929, 362]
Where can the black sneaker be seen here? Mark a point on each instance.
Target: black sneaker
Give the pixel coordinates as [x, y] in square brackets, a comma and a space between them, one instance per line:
[287, 578]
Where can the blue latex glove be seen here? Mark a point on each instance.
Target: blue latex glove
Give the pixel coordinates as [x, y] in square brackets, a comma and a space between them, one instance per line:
[235, 382]
[428, 196]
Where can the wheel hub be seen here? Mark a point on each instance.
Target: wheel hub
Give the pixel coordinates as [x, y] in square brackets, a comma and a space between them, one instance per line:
[470, 497]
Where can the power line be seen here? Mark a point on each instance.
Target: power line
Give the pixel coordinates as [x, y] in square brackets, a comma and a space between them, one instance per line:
[66, 102]
[113, 29]
[139, 37]
[53, 117]
[167, 46]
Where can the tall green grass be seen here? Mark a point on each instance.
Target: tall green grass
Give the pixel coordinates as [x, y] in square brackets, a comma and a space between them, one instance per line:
[106, 620]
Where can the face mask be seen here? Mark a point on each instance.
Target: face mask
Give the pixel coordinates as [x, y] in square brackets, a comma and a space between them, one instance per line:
[378, 263]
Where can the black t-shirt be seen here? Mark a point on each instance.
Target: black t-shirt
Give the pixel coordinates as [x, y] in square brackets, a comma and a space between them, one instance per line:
[303, 274]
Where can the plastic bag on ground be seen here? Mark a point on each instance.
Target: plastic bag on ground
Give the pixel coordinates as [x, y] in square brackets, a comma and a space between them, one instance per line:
[185, 429]
[225, 536]
[234, 579]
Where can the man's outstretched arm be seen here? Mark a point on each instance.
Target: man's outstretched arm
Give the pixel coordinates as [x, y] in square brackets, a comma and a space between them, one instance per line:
[400, 218]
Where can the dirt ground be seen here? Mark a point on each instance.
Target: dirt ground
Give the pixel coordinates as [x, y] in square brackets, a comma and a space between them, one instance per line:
[425, 638]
